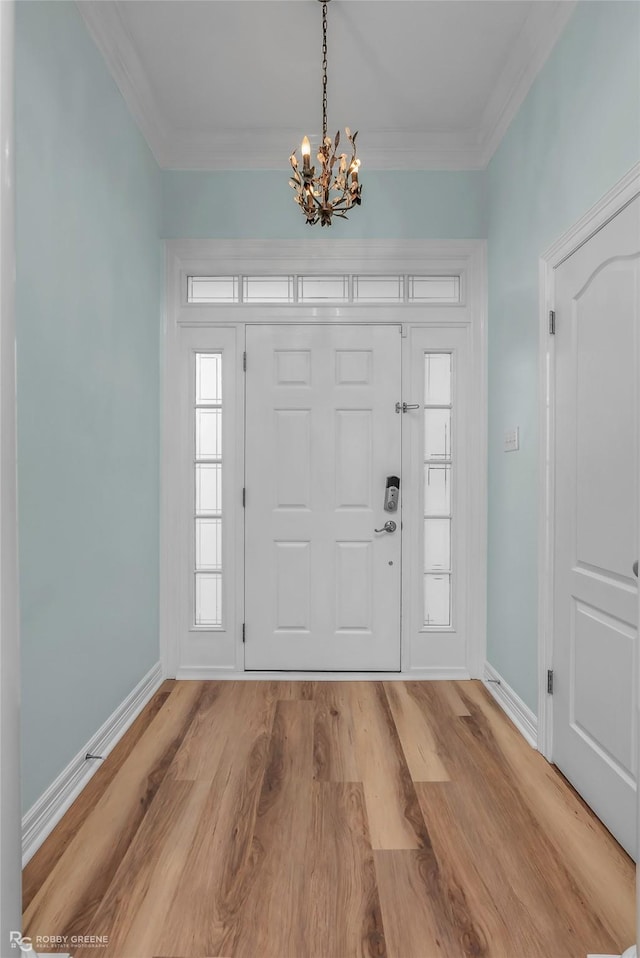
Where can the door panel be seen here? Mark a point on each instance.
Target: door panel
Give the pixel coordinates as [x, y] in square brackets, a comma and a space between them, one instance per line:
[322, 435]
[596, 460]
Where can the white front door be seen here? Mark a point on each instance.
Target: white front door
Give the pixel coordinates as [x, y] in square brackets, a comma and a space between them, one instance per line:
[322, 587]
[596, 522]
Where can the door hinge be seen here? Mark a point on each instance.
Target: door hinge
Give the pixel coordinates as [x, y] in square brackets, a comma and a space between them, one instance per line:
[552, 322]
[244, 632]
[550, 681]
[244, 497]
[244, 362]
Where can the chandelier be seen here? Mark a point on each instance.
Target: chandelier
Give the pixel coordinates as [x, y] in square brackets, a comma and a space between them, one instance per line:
[327, 194]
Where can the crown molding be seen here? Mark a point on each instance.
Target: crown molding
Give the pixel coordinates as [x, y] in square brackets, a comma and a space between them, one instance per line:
[311, 254]
[384, 150]
[267, 149]
[107, 29]
[530, 52]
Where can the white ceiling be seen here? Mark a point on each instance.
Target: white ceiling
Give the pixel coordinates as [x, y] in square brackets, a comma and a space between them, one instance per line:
[215, 84]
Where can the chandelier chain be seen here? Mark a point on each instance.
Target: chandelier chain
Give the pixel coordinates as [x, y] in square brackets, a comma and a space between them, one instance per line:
[332, 187]
[324, 70]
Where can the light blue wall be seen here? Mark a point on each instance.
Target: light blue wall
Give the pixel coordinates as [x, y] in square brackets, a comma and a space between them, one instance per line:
[576, 134]
[88, 327]
[396, 205]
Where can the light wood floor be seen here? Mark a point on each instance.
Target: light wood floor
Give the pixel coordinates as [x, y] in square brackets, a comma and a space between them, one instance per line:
[330, 820]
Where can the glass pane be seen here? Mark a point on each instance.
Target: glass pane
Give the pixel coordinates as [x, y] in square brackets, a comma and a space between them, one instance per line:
[378, 289]
[208, 599]
[208, 488]
[208, 433]
[267, 289]
[437, 489]
[437, 379]
[208, 378]
[437, 600]
[209, 544]
[314, 289]
[434, 289]
[437, 545]
[212, 289]
[437, 434]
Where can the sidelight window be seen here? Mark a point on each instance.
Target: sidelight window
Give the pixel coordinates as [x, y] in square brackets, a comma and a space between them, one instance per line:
[438, 474]
[207, 508]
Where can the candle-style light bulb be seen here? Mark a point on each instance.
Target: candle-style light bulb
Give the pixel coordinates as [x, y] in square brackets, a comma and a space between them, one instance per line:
[305, 149]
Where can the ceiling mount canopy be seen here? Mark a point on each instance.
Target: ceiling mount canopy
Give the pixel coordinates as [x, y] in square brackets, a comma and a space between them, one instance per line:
[329, 193]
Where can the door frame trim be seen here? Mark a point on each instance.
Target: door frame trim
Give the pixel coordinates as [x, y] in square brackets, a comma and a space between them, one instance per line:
[10, 789]
[619, 196]
[322, 255]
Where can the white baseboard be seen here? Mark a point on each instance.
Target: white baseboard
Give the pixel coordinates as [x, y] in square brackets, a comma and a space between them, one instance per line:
[45, 814]
[221, 675]
[511, 703]
[436, 674]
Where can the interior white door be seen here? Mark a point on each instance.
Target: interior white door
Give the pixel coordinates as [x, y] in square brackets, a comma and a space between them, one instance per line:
[322, 587]
[596, 521]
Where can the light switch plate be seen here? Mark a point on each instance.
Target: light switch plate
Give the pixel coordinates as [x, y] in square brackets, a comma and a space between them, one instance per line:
[512, 439]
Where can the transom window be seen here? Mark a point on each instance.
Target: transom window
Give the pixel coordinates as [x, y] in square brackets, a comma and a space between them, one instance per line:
[344, 288]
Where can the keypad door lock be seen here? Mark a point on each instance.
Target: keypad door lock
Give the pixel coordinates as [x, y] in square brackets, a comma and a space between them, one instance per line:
[392, 494]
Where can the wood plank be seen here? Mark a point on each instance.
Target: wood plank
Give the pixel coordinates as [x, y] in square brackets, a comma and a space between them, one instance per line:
[504, 827]
[201, 749]
[433, 700]
[450, 692]
[393, 812]
[601, 871]
[69, 897]
[42, 863]
[220, 866]
[416, 737]
[498, 889]
[272, 921]
[285, 690]
[148, 878]
[345, 917]
[424, 908]
[334, 748]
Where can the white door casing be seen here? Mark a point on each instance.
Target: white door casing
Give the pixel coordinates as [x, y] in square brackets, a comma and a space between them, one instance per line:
[10, 830]
[191, 653]
[596, 520]
[322, 588]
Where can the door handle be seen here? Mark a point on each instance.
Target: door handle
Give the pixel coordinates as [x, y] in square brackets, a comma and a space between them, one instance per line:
[635, 568]
[389, 526]
[405, 406]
